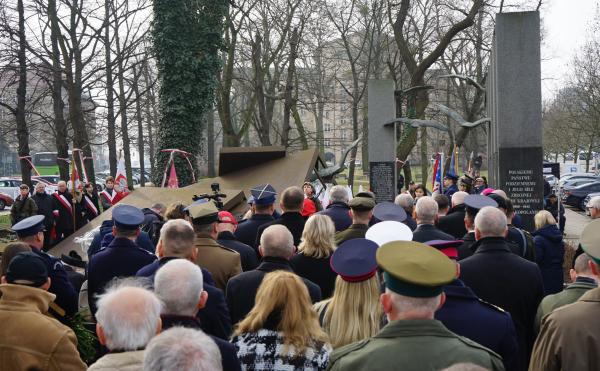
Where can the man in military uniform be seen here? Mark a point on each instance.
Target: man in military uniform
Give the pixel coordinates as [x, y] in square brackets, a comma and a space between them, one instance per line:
[570, 336]
[221, 262]
[262, 212]
[473, 203]
[450, 186]
[361, 209]
[122, 257]
[292, 200]
[63, 211]
[583, 280]
[31, 232]
[414, 276]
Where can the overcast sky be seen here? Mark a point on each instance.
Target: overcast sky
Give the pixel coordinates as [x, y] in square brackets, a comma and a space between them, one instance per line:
[565, 24]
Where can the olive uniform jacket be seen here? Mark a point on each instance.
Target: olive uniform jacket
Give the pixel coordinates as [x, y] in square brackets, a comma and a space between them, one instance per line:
[354, 231]
[570, 337]
[221, 262]
[22, 209]
[30, 339]
[413, 345]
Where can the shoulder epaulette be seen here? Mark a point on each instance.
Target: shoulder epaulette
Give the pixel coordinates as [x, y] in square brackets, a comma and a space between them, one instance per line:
[495, 307]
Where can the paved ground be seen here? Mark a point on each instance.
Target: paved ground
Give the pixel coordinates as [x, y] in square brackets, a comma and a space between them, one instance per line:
[576, 222]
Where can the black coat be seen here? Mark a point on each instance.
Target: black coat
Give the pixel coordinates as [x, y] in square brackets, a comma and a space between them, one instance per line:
[454, 222]
[550, 255]
[339, 212]
[466, 248]
[66, 296]
[315, 270]
[152, 224]
[294, 221]
[504, 279]
[248, 255]
[410, 222]
[90, 212]
[64, 220]
[122, 258]
[214, 317]
[247, 230]
[428, 232]
[487, 324]
[241, 289]
[229, 359]
[45, 205]
[101, 240]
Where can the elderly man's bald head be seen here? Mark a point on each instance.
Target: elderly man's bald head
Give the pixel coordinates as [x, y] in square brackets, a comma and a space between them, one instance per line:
[458, 198]
[277, 241]
[490, 222]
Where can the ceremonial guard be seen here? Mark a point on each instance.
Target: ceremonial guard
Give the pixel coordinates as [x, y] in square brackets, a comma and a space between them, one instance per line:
[31, 232]
[63, 211]
[413, 340]
[122, 257]
[262, 212]
[362, 212]
[109, 196]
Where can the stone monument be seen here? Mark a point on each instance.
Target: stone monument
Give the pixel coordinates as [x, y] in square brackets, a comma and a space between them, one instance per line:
[382, 140]
[514, 105]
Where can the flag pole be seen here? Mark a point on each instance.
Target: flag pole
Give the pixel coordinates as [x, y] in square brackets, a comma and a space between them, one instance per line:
[74, 164]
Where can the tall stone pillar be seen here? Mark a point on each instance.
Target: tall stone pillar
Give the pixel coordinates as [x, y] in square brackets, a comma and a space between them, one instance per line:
[514, 104]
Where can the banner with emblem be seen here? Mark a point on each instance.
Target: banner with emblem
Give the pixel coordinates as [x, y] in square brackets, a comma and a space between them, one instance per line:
[436, 185]
[121, 177]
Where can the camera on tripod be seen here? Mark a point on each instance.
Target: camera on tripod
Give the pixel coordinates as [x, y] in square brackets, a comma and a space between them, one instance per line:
[216, 196]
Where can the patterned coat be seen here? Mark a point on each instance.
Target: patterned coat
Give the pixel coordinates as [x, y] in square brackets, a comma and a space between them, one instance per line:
[263, 350]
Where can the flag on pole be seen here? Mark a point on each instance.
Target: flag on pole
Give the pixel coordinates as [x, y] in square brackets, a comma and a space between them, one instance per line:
[173, 182]
[437, 175]
[75, 182]
[453, 169]
[121, 177]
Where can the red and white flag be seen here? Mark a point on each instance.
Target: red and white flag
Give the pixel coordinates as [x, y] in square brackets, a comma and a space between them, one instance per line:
[75, 180]
[173, 182]
[121, 177]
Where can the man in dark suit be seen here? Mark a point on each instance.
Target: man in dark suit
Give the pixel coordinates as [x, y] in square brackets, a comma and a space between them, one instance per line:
[406, 201]
[263, 198]
[226, 228]
[179, 286]
[473, 203]
[502, 278]
[454, 221]
[276, 247]
[123, 257]
[426, 213]
[338, 209]
[177, 242]
[292, 200]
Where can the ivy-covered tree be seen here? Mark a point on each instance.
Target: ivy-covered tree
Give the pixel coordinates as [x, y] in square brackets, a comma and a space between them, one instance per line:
[187, 37]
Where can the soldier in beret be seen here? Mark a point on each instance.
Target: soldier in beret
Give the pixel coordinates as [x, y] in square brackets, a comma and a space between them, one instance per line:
[414, 276]
[570, 336]
[361, 210]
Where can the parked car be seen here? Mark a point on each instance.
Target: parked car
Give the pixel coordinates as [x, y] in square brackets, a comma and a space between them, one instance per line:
[10, 186]
[49, 179]
[5, 200]
[574, 182]
[590, 177]
[587, 200]
[552, 180]
[575, 196]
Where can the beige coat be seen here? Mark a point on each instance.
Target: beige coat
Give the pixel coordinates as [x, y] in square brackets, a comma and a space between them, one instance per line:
[221, 262]
[570, 337]
[29, 338]
[125, 361]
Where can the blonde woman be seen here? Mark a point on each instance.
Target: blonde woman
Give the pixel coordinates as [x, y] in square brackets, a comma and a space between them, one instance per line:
[353, 313]
[549, 251]
[312, 261]
[282, 331]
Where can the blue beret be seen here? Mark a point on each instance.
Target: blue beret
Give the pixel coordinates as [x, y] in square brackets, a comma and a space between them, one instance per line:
[354, 260]
[389, 211]
[127, 217]
[263, 194]
[29, 226]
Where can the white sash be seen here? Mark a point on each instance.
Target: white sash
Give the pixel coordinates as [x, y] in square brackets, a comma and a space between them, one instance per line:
[64, 201]
[90, 205]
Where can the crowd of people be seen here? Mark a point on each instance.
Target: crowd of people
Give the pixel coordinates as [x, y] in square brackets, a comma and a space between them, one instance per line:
[423, 283]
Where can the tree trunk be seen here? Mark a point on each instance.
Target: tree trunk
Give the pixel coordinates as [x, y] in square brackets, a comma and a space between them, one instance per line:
[150, 118]
[210, 139]
[300, 127]
[22, 130]
[60, 125]
[140, 123]
[259, 90]
[365, 136]
[354, 137]
[110, 104]
[424, 157]
[289, 88]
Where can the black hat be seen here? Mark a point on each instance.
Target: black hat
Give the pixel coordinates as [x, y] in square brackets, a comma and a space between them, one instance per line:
[27, 268]
[389, 211]
[127, 217]
[263, 194]
[467, 180]
[29, 226]
[354, 260]
[474, 203]
[367, 194]
[451, 176]
[73, 259]
[499, 200]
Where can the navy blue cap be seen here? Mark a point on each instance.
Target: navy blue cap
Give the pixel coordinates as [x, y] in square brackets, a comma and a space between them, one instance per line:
[354, 260]
[27, 268]
[263, 194]
[127, 217]
[29, 226]
[474, 203]
[500, 201]
[389, 211]
[449, 248]
[451, 176]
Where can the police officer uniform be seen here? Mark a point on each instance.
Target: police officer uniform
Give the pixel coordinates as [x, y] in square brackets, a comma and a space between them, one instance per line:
[415, 270]
[487, 324]
[360, 204]
[66, 296]
[247, 230]
[388, 211]
[473, 203]
[222, 262]
[121, 258]
[453, 188]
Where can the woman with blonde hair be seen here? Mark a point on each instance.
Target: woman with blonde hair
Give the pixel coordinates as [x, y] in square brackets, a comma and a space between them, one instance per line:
[281, 331]
[353, 313]
[549, 251]
[312, 261]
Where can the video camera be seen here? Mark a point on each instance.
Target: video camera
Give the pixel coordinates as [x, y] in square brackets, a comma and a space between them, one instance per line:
[216, 196]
